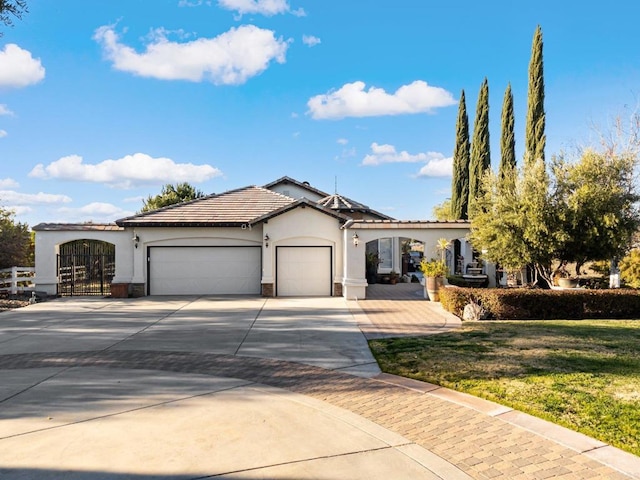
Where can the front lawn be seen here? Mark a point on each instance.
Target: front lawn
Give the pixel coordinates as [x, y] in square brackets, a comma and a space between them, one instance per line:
[584, 375]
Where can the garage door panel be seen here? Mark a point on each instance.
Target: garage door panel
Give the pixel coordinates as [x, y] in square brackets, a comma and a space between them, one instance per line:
[204, 270]
[303, 271]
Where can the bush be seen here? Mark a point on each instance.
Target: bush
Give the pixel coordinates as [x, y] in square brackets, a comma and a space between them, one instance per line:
[630, 269]
[528, 304]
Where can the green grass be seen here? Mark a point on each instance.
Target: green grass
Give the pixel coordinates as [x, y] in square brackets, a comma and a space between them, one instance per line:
[584, 375]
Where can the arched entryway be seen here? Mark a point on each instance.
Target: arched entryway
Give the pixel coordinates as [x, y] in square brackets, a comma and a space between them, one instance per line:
[85, 267]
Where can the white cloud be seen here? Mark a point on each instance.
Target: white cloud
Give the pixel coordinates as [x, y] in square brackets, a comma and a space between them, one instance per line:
[231, 58]
[437, 165]
[310, 40]
[388, 154]
[342, 141]
[18, 68]
[20, 209]
[136, 199]
[125, 172]
[97, 212]
[442, 167]
[352, 100]
[17, 198]
[194, 3]
[3, 133]
[4, 110]
[8, 183]
[262, 7]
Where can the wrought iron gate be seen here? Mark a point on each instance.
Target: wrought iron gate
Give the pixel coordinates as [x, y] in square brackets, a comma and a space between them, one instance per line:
[86, 267]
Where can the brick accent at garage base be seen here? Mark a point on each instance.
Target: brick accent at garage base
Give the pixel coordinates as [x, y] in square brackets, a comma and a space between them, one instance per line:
[119, 290]
[267, 290]
[138, 290]
[337, 289]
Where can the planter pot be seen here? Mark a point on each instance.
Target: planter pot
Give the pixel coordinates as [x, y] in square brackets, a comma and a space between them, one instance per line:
[568, 282]
[433, 286]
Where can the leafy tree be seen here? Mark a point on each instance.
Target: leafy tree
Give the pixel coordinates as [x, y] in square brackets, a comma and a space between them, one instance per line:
[480, 149]
[11, 8]
[170, 195]
[507, 139]
[580, 211]
[16, 241]
[443, 212]
[535, 138]
[599, 213]
[460, 182]
[514, 220]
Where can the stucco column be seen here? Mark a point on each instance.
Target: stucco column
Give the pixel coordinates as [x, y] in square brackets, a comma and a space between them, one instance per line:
[355, 282]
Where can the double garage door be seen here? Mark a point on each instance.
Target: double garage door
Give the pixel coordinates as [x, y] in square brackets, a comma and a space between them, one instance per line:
[204, 270]
[300, 271]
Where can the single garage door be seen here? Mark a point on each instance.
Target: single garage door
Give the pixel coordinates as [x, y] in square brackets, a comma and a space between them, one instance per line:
[204, 270]
[303, 271]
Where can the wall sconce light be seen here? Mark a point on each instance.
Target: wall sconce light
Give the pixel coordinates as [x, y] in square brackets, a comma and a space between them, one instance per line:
[266, 240]
[356, 239]
[136, 240]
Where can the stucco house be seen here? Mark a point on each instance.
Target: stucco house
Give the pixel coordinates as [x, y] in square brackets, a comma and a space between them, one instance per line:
[286, 238]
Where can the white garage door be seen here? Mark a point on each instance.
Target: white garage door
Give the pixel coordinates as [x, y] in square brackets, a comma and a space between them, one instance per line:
[204, 270]
[303, 271]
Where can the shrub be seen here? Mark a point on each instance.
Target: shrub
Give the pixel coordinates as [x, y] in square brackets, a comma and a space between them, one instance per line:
[630, 268]
[527, 304]
[433, 268]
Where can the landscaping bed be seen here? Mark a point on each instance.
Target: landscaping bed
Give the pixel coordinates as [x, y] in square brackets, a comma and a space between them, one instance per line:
[527, 303]
[584, 375]
[9, 302]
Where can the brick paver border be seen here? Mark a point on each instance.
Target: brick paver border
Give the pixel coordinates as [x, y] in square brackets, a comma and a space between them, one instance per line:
[482, 446]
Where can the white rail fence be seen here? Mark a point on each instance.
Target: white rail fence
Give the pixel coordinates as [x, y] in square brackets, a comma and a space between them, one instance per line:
[17, 279]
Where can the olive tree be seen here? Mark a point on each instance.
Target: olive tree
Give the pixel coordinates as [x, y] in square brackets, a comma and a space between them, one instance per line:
[571, 211]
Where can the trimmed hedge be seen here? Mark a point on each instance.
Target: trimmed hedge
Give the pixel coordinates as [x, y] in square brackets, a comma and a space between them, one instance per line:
[538, 304]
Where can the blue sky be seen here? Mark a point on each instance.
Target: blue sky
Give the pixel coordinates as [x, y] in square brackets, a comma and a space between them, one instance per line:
[100, 106]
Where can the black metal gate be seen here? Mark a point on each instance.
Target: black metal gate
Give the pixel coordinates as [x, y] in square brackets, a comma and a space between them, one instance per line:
[86, 267]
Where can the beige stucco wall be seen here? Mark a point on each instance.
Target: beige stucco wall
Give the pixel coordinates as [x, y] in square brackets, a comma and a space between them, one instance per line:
[296, 192]
[302, 227]
[355, 277]
[47, 247]
[186, 237]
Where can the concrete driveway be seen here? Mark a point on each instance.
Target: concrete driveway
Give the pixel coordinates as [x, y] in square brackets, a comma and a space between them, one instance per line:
[66, 412]
[248, 388]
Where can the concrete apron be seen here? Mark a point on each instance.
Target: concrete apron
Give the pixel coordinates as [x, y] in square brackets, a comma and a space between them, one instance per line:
[95, 422]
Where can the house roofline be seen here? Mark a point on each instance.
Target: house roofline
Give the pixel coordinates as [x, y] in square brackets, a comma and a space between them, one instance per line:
[305, 185]
[302, 202]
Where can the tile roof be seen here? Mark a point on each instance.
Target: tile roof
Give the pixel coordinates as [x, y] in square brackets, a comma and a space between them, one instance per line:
[302, 202]
[67, 227]
[232, 208]
[345, 205]
[293, 181]
[419, 224]
[338, 202]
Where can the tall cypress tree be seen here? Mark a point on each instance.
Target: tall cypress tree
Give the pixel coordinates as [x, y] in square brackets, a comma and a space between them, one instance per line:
[480, 150]
[507, 139]
[535, 137]
[460, 182]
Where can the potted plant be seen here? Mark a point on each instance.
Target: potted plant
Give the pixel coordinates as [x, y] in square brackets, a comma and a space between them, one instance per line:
[434, 272]
[393, 278]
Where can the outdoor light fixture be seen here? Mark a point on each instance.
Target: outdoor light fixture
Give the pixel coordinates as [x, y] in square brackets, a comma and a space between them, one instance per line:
[266, 240]
[136, 240]
[356, 239]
